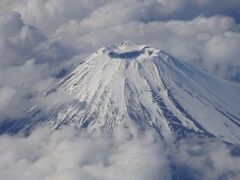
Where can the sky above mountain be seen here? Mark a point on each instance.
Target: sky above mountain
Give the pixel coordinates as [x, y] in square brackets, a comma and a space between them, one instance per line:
[41, 40]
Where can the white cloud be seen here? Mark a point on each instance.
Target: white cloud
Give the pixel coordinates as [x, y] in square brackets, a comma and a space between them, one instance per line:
[6, 95]
[194, 40]
[206, 159]
[28, 62]
[20, 42]
[16, 39]
[50, 14]
[24, 87]
[10, 24]
[43, 37]
[70, 154]
[18, 84]
[175, 26]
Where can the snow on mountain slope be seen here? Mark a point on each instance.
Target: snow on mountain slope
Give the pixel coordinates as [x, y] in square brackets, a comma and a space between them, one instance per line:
[129, 84]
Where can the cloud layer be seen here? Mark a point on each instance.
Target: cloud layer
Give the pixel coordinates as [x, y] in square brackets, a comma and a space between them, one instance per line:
[40, 40]
[70, 154]
[203, 32]
[29, 64]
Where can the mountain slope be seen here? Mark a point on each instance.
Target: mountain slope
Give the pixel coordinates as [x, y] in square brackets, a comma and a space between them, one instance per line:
[126, 85]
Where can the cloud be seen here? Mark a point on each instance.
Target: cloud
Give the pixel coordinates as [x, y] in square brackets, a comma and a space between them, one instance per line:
[210, 42]
[10, 24]
[29, 64]
[205, 159]
[20, 42]
[24, 87]
[15, 90]
[71, 154]
[49, 15]
[40, 40]
[47, 32]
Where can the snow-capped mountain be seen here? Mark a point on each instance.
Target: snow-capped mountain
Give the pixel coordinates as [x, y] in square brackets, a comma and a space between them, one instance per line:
[129, 85]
